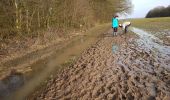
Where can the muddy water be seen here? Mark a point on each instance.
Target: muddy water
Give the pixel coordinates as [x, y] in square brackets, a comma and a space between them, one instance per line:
[50, 66]
[151, 43]
[42, 69]
[115, 48]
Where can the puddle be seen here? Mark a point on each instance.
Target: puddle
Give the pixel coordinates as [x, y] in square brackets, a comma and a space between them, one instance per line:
[114, 48]
[150, 43]
[11, 83]
[50, 66]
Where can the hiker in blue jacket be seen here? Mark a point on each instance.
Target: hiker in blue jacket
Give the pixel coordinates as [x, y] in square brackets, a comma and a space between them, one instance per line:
[115, 24]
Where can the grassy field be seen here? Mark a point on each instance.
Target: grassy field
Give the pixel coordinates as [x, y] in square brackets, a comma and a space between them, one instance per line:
[152, 24]
[160, 27]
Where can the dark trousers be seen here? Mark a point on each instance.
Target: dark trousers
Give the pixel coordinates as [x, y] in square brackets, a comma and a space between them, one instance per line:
[115, 29]
[125, 29]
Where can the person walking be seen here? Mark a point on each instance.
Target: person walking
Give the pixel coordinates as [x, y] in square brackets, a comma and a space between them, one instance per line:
[115, 24]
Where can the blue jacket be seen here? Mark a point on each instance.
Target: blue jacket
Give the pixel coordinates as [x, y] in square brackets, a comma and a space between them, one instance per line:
[115, 22]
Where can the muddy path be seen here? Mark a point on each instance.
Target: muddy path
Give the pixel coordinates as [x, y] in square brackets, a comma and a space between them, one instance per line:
[132, 71]
[21, 76]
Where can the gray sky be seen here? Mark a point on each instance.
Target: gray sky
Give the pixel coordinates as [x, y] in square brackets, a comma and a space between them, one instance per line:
[141, 7]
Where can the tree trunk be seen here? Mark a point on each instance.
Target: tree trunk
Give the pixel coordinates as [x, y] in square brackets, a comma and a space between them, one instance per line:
[16, 15]
[27, 21]
[39, 25]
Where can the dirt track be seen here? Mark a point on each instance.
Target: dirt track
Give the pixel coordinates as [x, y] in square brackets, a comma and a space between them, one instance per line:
[129, 73]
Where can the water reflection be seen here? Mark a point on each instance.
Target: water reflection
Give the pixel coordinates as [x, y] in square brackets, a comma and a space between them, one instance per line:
[11, 83]
[114, 48]
[152, 44]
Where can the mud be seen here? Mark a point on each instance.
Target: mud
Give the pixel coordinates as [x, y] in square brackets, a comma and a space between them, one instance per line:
[129, 72]
[151, 43]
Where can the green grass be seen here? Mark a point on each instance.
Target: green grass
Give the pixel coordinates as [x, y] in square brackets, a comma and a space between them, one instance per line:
[160, 27]
[152, 24]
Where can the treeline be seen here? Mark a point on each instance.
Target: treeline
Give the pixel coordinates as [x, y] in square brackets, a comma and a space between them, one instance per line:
[26, 17]
[159, 12]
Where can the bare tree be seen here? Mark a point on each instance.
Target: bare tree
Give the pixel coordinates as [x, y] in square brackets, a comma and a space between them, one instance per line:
[30, 16]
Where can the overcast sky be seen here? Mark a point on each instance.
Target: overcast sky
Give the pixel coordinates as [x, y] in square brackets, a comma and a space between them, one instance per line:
[141, 7]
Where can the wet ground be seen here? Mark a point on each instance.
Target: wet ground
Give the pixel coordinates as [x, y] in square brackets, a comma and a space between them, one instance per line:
[122, 67]
[21, 76]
